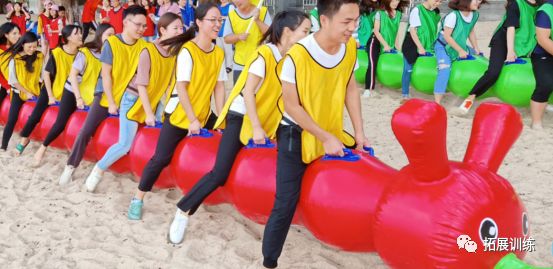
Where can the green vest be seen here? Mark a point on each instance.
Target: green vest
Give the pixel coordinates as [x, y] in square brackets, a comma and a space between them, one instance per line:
[365, 27]
[548, 9]
[460, 33]
[428, 31]
[525, 34]
[315, 13]
[389, 27]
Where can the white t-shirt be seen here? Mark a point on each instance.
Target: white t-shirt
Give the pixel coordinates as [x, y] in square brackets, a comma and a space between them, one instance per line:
[228, 29]
[256, 68]
[185, 66]
[288, 72]
[414, 18]
[451, 19]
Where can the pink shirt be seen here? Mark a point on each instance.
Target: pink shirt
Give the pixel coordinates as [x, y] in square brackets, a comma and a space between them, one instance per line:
[171, 7]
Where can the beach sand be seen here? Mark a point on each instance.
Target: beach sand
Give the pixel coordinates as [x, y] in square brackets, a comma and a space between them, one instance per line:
[43, 225]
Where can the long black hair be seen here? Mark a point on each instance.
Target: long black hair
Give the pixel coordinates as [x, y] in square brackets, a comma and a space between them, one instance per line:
[5, 29]
[96, 44]
[66, 32]
[175, 43]
[291, 19]
[28, 37]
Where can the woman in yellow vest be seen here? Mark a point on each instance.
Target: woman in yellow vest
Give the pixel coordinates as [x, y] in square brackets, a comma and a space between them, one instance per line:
[251, 112]
[9, 35]
[153, 79]
[200, 73]
[25, 65]
[79, 89]
[244, 33]
[55, 74]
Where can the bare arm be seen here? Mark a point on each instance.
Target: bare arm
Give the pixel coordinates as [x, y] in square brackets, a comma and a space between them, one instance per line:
[235, 38]
[447, 35]
[292, 106]
[143, 95]
[219, 95]
[262, 26]
[353, 105]
[107, 83]
[22, 89]
[474, 41]
[378, 35]
[543, 36]
[184, 100]
[73, 74]
[48, 83]
[252, 83]
[415, 37]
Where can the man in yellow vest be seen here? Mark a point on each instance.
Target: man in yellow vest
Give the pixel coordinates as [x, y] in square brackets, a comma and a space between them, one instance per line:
[317, 80]
[236, 31]
[120, 55]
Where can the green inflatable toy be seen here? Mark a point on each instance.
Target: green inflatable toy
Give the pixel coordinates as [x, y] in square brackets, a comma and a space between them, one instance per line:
[425, 72]
[516, 83]
[390, 69]
[363, 61]
[465, 73]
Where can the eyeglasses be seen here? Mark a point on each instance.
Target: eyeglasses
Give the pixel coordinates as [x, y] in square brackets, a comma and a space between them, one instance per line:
[139, 25]
[220, 20]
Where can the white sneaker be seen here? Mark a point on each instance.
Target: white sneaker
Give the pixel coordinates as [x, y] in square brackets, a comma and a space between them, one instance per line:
[549, 108]
[465, 106]
[367, 93]
[178, 227]
[93, 179]
[65, 177]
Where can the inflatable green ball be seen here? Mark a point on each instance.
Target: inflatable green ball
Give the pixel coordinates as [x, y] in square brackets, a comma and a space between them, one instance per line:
[465, 73]
[424, 74]
[389, 69]
[516, 83]
[363, 61]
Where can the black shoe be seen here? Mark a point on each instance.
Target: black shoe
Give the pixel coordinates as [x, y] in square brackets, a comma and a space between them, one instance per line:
[229, 70]
[268, 263]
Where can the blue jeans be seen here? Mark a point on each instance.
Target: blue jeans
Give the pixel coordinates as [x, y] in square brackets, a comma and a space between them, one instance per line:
[406, 77]
[444, 65]
[444, 68]
[127, 132]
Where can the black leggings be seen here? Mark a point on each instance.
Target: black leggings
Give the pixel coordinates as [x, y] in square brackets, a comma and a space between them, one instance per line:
[373, 52]
[96, 114]
[36, 115]
[15, 107]
[169, 138]
[68, 105]
[498, 55]
[86, 28]
[543, 68]
[226, 154]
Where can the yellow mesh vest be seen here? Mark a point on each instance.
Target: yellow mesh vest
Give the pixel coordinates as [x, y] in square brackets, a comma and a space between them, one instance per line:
[205, 72]
[125, 63]
[29, 80]
[243, 49]
[266, 98]
[90, 77]
[322, 93]
[63, 61]
[161, 78]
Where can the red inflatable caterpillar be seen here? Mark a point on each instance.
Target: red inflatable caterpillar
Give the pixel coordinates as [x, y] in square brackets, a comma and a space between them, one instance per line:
[412, 217]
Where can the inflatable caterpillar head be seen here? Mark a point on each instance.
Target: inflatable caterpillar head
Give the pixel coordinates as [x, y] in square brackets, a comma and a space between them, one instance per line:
[440, 212]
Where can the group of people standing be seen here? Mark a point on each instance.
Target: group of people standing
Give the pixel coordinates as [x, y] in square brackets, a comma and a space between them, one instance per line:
[283, 77]
[525, 31]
